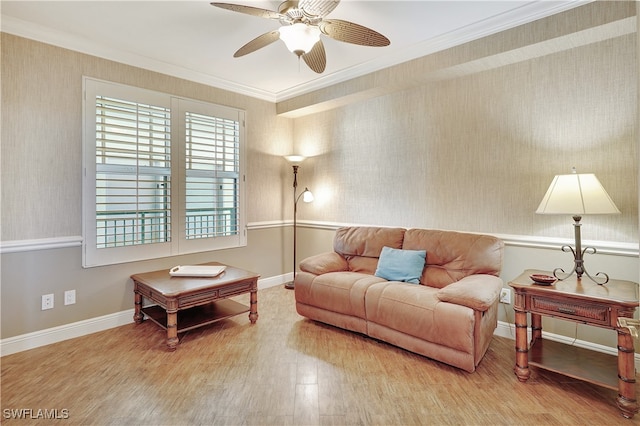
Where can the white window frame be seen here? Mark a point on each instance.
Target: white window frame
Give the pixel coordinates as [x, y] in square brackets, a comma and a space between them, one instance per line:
[178, 243]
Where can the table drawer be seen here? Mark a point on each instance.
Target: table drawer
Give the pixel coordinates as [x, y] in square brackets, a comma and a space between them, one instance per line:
[238, 288]
[150, 294]
[579, 311]
[198, 298]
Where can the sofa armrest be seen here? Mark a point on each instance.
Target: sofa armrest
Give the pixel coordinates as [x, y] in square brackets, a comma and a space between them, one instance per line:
[323, 263]
[478, 292]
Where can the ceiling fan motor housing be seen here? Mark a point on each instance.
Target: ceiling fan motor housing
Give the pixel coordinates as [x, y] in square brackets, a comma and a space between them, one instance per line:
[292, 14]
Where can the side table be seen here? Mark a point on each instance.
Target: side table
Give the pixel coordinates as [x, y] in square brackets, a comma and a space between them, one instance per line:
[583, 301]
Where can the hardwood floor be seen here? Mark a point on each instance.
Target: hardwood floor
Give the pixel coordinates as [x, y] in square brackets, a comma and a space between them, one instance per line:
[283, 370]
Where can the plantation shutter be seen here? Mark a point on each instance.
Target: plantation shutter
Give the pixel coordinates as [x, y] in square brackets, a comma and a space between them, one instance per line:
[133, 173]
[212, 176]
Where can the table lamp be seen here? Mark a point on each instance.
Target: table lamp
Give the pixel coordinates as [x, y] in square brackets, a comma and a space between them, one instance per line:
[577, 195]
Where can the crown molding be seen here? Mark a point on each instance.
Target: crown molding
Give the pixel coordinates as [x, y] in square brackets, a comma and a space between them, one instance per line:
[527, 13]
[69, 41]
[524, 14]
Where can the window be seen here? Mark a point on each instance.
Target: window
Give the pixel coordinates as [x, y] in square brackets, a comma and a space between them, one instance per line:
[162, 175]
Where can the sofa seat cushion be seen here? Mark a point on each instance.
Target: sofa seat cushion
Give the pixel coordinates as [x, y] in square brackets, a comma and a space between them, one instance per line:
[417, 311]
[341, 292]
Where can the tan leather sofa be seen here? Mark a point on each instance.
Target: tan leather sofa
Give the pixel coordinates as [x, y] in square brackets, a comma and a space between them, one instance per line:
[450, 316]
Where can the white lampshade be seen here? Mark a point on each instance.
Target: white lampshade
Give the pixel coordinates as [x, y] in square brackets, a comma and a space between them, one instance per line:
[295, 159]
[307, 196]
[299, 38]
[576, 194]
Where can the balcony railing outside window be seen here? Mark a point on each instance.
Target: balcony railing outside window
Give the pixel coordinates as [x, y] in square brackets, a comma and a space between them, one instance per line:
[131, 228]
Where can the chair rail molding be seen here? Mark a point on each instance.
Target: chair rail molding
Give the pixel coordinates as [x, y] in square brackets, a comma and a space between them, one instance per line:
[604, 247]
[17, 246]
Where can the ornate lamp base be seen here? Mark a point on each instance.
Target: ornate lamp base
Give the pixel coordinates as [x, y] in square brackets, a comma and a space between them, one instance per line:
[578, 261]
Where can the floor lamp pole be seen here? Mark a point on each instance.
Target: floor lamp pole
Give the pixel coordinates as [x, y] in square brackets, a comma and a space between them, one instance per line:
[290, 284]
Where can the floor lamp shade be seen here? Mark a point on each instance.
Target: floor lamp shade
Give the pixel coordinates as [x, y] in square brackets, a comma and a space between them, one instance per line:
[307, 196]
[295, 160]
[576, 195]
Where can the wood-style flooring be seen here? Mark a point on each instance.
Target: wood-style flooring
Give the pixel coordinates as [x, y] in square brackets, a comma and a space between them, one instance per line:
[283, 370]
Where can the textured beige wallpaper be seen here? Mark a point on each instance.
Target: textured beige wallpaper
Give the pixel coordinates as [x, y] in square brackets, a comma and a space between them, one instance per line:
[471, 150]
[474, 150]
[587, 24]
[478, 152]
[41, 151]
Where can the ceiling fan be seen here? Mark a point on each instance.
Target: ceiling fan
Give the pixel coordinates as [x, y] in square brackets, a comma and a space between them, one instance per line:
[302, 23]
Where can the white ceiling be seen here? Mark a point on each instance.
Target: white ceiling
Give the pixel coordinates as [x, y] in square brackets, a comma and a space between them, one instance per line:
[194, 40]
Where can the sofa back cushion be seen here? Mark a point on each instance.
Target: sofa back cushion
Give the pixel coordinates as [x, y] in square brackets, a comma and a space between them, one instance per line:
[361, 246]
[452, 256]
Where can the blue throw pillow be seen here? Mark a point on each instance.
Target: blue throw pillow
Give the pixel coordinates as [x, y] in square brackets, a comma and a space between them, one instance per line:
[401, 265]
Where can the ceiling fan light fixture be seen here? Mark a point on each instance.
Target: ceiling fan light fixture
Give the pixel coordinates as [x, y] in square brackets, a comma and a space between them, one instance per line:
[299, 38]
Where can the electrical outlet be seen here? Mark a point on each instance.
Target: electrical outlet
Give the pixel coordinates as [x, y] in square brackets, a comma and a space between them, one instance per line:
[47, 301]
[69, 297]
[505, 296]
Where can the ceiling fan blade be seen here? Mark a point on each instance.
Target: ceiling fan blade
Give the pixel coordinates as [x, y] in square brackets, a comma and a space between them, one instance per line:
[352, 33]
[249, 10]
[316, 58]
[317, 8]
[258, 43]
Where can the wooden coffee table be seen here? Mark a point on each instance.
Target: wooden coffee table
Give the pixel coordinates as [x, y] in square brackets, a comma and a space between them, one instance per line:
[179, 304]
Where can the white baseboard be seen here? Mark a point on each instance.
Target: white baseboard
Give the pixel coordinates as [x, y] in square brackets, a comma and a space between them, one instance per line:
[274, 281]
[39, 338]
[507, 330]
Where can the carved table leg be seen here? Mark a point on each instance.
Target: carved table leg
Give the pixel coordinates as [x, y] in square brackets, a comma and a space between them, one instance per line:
[172, 330]
[253, 306]
[626, 375]
[137, 316]
[522, 347]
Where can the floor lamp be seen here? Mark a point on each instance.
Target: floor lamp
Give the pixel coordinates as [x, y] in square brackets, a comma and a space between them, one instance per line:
[307, 197]
[577, 194]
